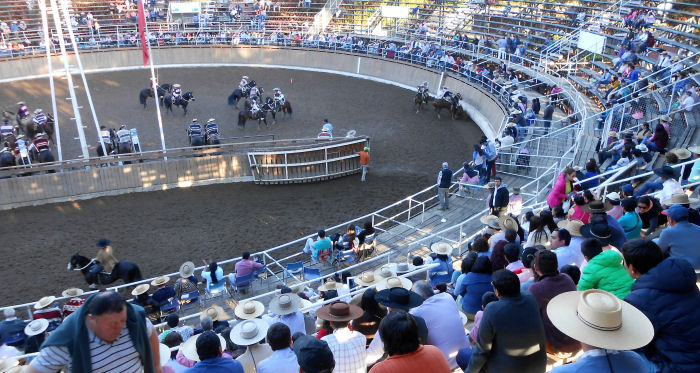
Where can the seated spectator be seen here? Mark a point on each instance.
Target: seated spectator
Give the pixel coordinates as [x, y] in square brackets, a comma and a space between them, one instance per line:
[548, 285]
[527, 274]
[613, 201]
[558, 213]
[504, 223]
[474, 285]
[348, 346]
[560, 245]
[209, 349]
[163, 293]
[283, 359]
[631, 222]
[143, 299]
[400, 333]
[659, 140]
[512, 254]
[443, 272]
[313, 355]
[665, 291]
[681, 199]
[604, 269]
[213, 275]
[318, 247]
[284, 308]
[668, 181]
[680, 239]
[649, 210]
[173, 340]
[488, 297]
[598, 210]
[368, 323]
[498, 260]
[11, 329]
[173, 322]
[511, 324]
[246, 266]
[187, 282]
[250, 333]
[46, 308]
[572, 271]
[465, 267]
[576, 212]
[580, 317]
[539, 234]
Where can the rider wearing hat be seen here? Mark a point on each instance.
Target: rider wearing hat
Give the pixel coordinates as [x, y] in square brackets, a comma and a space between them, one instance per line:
[254, 93]
[177, 92]
[243, 83]
[423, 87]
[211, 129]
[447, 94]
[22, 110]
[41, 144]
[6, 128]
[39, 119]
[194, 129]
[279, 97]
[124, 136]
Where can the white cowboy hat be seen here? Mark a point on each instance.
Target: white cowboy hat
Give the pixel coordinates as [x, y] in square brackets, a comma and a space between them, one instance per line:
[186, 269]
[140, 289]
[211, 120]
[694, 149]
[615, 196]
[36, 327]
[324, 129]
[491, 221]
[681, 153]
[394, 282]
[330, 284]
[385, 271]
[441, 248]
[38, 111]
[275, 89]
[72, 292]
[284, 304]
[367, 278]
[249, 309]
[176, 85]
[305, 303]
[164, 352]
[162, 280]
[20, 103]
[245, 77]
[598, 318]
[249, 332]
[44, 302]
[679, 199]
[214, 311]
[189, 348]
[507, 222]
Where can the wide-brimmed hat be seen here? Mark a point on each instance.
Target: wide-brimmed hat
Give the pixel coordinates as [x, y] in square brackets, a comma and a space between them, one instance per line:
[339, 311]
[642, 148]
[398, 298]
[572, 226]
[681, 153]
[441, 248]
[665, 172]
[679, 199]
[284, 304]
[612, 134]
[186, 269]
[245, 77]
[189, 347]
[249, 309]
[694, 149]
[599, 231]
[72, 292]
[44, 302]
[36, 327]
[665, 118]
[385, 271]
[507, 222]
[394, 282]
[511, 124]
[249, 332]
[210, 120]
[596, 207]
[164, 352]
[140, 289]
[598, 318]
[491, 221]
[214, 311]
[162, 280]
[176, 85]
[404, 267]
[367, 278]
[37, 111]
[516, 190]
[330, 284]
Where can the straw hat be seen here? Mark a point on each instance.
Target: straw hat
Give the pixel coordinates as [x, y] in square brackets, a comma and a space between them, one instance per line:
[176, 85]
[491, 221]
[385, 271]
[598, 318]
[249, 332]
[140, 289]
[162, 280]
[367, 278]
[665, 118]
[694, 149]
[511, 124]
[612, 134]
[249, 309]
[164, 352]
[330, 284]
[284, 304]
[44, 302]
[339, 311]
[395, 282]
[189, 347]
[441, 248]
[211, 120]
[72, 292]
[679, 199]
[214, 311]
[404, 267]
[186, 269]
[573, 226]
[305, 303]
[507, 222]
[36, 327]
[681, 153]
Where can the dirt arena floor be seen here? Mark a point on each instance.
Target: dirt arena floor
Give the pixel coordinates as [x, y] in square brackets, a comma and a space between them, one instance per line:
[160, 230]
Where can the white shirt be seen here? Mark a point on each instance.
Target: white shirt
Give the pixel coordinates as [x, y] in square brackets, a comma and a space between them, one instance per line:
[348, 349]
[569, 255]
[670, 188]
[281, 361]
[295, 321]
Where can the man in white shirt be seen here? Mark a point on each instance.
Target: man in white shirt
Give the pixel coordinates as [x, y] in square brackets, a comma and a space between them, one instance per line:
[559, 241]
[285, 309]
[283, 359]
[348, 346]
[670, 185]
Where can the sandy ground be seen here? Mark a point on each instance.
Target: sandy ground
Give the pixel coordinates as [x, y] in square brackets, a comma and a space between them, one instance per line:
[160, 230]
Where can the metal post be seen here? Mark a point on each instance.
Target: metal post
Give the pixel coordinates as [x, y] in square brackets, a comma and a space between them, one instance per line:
[409, 209]
[155, 90]
[47, 45]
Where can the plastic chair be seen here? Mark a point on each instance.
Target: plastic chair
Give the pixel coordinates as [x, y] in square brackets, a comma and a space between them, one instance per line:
[294, 268]
[167, 308]
[239, 283]
[311, 273]
[345, 257]
[214, 290]
[191, 297]
[257, 272]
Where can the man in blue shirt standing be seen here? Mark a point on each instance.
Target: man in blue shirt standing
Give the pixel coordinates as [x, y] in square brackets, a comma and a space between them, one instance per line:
[444, 181]
[209, 350]
[491, 154]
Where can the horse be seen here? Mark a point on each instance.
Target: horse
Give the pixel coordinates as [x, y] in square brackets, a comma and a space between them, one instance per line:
[180, 102]
[24, 123]
[92, 271]
[419, 100]
[6, 157]
[285, 108]
[238, 94]
[441, 103]
[247, 113]
[144, 95]
[148, 92]
[196, 140]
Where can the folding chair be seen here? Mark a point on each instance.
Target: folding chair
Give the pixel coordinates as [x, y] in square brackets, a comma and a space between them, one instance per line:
[294, 268]
[345, 257]
[214, 290]
[239, 283]
[311, 273]
[169, 307]
[192, 297]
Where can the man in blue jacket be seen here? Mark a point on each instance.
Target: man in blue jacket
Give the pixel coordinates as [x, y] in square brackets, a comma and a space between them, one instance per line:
[666, 293]
[444, 181]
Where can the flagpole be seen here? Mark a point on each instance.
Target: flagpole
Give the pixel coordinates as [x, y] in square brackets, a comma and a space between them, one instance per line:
[47, 45]
[153, 81]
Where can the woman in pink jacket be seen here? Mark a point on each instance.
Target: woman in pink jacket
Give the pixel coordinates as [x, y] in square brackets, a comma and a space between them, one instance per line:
[562, 187]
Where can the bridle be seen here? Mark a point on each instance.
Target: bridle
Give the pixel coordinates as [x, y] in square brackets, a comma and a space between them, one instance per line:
[87, 265]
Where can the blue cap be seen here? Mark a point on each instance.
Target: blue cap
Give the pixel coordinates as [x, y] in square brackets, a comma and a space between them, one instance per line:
[103, 242]
[676, 212]
[628, 189]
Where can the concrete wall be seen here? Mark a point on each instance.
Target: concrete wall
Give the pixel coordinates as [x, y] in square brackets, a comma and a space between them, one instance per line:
[486, 111]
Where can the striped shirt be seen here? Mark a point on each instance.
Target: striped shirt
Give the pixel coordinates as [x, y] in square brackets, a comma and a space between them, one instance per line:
[195, 129]
[39, 118]
[120, 356]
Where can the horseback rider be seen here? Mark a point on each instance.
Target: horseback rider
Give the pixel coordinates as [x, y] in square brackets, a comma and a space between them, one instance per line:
[279, 97]
[447, 94]
[254, 103]
[177, 93]
[6, 129]
[423, 88]
[211, 129]
[243, 84]
[42, 146]
[39, 120]
[194, 130]
[22, 110]
[106, 137]
[254, 93]
[105, 259]
[124, 138]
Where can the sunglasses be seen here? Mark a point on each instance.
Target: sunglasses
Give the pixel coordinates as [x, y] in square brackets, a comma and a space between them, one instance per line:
[643, 207]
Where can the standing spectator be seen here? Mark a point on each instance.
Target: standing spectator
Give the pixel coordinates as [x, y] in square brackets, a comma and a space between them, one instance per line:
[606, 327]
[283, 359]
[680, 239]
[364, 161]
[604, 269]
[499, 204]
[348, 346]
[547, 115]
[406, 354]
[515, 203]
[444, 181]
[631, 222]
[666, 293]
[536, 105]
[491, 156]
[511, 324]
[562, 187]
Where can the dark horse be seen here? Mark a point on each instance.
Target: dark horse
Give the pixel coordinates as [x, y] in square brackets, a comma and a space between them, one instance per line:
[110, 146]
[180, 102]
[92, 270]
[420, 99]
[238, 94]
[247, 113]
[452, 105]
[148, 92]
[285, 108]
[33, 129]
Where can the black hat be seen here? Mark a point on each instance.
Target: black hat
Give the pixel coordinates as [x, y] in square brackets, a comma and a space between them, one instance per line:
[599, 231]
[313, 354]
[665, 172]
[398, 298]
[103, 242]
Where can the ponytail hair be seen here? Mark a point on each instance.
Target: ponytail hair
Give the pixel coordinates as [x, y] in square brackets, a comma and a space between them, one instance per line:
[212, 270]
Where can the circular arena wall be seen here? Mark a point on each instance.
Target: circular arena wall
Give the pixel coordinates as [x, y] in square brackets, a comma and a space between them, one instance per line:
[484, 109]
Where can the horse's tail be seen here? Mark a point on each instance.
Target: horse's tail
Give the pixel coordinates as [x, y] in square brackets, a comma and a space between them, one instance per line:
[289, 108]
[142, 99]
[135, 274]
[232, 98]
[241, 119]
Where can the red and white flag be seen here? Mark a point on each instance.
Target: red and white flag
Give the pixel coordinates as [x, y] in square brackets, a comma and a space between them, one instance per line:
[142, 31]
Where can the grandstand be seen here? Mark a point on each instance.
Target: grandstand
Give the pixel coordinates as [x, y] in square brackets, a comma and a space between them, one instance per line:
[427, 37]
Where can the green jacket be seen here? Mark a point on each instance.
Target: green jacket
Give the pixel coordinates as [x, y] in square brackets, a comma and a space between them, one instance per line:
[73, 334]
[605, 272]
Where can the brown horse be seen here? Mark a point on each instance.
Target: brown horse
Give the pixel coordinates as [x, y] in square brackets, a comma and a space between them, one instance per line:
[419, 100]
[452, 106]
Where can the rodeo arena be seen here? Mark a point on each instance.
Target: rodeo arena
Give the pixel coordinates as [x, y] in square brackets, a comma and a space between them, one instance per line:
[349, 186]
